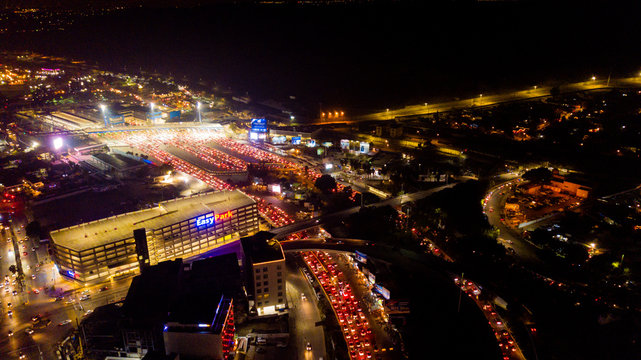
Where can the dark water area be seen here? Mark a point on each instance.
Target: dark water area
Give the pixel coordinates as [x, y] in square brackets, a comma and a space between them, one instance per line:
[360, 58]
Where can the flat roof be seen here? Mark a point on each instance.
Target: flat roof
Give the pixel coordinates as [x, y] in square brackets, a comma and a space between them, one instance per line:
[261, 248]
[117, 161]
[104, 231]
[185, 293]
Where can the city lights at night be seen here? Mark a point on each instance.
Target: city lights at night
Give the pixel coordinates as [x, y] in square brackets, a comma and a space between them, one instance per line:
[319, 179]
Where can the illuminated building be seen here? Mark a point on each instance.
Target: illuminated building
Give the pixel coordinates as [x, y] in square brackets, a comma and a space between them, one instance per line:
[178, 228]
[265, 271]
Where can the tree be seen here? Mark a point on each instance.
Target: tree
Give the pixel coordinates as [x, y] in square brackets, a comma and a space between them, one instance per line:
[33, 229]
[13, 269]
[325, 183]
[576, 253]
[538, 175]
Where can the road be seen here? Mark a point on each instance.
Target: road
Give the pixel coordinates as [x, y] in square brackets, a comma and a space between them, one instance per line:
[304, 315]
[489, 99]
[329, 218]
[25, 305]
[493, 208]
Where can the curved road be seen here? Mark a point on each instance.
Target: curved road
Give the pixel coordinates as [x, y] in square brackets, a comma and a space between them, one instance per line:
[493, 208]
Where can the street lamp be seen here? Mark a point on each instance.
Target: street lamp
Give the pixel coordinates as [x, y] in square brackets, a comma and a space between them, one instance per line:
[593, 78]
[103, 107]
[151, 105]
[200, 120]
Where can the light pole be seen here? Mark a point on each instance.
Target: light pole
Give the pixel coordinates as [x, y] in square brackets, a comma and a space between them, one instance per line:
[200, 120]
[103, 107]
[151, 112]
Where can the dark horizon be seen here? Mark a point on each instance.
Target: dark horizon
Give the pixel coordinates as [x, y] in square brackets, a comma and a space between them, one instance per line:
[360, 57]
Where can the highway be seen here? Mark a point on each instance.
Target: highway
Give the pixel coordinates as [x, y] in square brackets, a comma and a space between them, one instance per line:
[334, 217]
[489, 100]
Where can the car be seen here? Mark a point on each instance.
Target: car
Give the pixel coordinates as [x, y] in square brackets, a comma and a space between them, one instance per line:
[59, 298]
[25, 253]
[33, 249]
[33, 277]
[104, 288]
[64, 322]
[14, 292]
[10, 333]
[36, 318]
[308, 346]
[303, 297]
[29, 330]
[21, 355]
[85, 297]
[10, 313]
[36, 291]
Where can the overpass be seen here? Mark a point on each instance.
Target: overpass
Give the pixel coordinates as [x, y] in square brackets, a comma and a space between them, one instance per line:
[298, 226]
[170, 126]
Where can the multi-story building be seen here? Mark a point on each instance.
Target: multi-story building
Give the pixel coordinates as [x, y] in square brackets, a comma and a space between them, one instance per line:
[173, 307]
[178, 228]
[265, 272]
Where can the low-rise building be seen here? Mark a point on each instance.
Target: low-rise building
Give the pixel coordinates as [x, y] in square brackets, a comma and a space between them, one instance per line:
[115, 164]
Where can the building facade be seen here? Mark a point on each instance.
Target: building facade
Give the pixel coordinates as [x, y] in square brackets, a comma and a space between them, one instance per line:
[179, 228]
[264, 265]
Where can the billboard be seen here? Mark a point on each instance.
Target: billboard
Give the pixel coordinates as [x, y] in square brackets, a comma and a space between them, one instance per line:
[345, 144]
[296, 140]
[382, 290]
[154, 115]
[174, 115]
[364, 147]
[360, 257]
[259, 125]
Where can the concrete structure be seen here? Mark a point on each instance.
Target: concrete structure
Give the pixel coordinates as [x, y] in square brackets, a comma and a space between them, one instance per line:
[265, 272]
[118, 165]
[174, 307]
[212, 339]
[178, 228]
[559, 184]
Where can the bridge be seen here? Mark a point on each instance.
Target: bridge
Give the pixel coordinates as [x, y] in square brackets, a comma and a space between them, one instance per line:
[333, 218]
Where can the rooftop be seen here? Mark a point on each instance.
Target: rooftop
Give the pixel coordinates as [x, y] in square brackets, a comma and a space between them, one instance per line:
[261, 248]
[104, 231]
[184, 293]
[117, 161]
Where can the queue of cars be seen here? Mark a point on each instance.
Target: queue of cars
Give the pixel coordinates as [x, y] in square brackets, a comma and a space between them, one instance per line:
[351, 318]
[505, 340]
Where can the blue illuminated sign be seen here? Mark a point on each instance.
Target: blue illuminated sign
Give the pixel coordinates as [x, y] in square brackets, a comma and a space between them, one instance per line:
[205, 221]
[383, 291]
[296, 140]
[259, 125]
